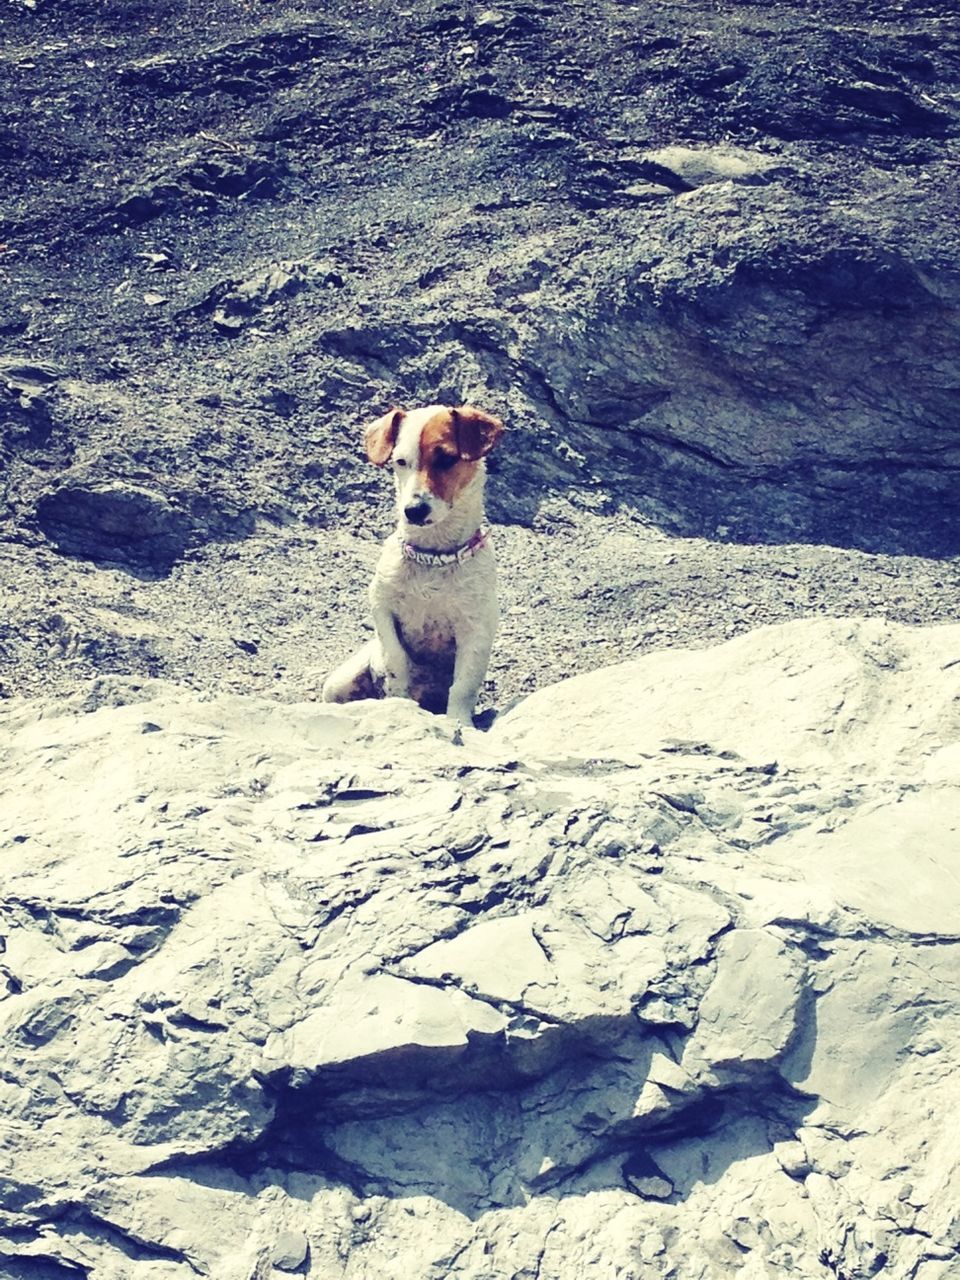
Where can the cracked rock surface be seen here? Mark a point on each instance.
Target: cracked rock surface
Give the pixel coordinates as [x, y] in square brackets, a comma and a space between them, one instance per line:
[657, 978]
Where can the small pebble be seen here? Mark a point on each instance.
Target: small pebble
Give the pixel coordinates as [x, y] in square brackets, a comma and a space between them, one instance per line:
[290, 1251]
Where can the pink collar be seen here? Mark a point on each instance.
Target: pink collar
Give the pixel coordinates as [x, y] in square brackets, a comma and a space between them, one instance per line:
[423, 555]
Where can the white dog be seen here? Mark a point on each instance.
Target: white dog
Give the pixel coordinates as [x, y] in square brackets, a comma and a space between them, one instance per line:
[434, 593]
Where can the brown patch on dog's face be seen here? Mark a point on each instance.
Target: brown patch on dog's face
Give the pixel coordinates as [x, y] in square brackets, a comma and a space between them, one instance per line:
[442, 470]
[451, 446]
[380, 437]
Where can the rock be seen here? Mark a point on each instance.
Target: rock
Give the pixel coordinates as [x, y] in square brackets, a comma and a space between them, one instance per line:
[227, 323]
[232, 173]
[142, 205]
[27, 385]
[642, 191]
[158, 261]
[793, 1159]
[643, 1177]
[484, 103]
[826, 696]
[26, 419]
[892, 104]
[490, 20]
[357, 992]
[115, 521]
[689, 167]
[626, 376]
[233, 302]
[245, 65]
[23, 374]
[290, 1252]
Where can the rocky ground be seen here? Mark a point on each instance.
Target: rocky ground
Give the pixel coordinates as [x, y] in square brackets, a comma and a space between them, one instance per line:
[273, 613]
[657, 978]
[703, 259]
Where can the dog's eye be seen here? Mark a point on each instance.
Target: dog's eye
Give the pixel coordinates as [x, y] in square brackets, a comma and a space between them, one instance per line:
[399, 462]
[444, 461]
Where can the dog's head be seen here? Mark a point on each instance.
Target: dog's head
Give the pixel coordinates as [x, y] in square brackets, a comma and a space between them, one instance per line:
[436, 452]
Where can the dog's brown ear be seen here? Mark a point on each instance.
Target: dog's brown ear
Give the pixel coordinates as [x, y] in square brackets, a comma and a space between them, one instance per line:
[476, 432]
[380, 437]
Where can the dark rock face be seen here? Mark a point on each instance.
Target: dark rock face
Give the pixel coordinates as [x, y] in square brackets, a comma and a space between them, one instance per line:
[705, 260]
[128, 524]
[785, 380]
[114, 522]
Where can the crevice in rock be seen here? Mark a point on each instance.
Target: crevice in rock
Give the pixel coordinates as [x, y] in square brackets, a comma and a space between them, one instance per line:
[807, 932]
[305, 1137]
[38, 1266]
[77, 1216]
[500, 1003]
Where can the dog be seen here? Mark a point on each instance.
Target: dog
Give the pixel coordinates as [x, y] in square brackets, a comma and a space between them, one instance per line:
[434, 592]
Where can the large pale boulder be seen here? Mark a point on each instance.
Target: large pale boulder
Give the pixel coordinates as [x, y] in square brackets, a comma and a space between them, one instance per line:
[656, 978]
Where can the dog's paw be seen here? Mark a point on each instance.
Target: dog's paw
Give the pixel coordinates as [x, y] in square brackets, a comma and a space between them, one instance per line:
[460, 714]
[396, 683]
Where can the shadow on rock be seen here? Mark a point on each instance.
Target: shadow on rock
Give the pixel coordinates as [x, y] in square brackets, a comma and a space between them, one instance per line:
[128, 525]
[473, 1133]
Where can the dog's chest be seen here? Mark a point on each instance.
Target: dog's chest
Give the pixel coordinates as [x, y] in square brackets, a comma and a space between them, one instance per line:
[434, 606]
[428, 607]
[428, 636]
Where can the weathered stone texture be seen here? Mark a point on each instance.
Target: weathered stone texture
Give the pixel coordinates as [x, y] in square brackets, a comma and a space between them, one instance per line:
[657, 978]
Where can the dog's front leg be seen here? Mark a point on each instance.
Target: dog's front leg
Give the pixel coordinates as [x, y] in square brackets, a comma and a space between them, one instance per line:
[469, 672]
[396, 666]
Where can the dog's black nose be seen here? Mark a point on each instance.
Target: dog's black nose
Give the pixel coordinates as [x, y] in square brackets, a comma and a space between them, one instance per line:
[417, 512]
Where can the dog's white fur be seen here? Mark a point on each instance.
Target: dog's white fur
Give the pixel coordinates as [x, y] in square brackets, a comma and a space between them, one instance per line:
[434, 624]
